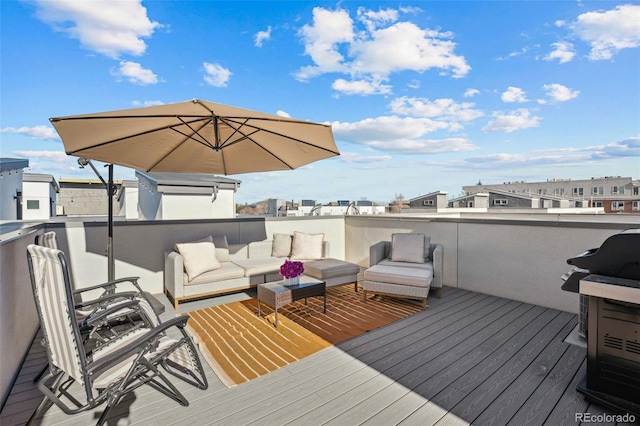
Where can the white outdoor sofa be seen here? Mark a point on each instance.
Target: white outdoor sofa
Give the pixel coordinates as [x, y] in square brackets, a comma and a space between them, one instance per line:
[246, 265]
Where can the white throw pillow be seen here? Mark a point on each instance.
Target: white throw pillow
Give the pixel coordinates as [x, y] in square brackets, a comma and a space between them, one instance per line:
[222, 246]
[307, 246]
[281, 246]
[198, 258]
[408, 248]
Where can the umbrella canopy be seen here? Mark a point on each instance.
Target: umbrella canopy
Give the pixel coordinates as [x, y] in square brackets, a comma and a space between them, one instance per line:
[196, 137]
[192, 137]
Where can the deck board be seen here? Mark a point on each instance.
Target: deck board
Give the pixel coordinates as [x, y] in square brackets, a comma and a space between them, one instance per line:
[470, 358]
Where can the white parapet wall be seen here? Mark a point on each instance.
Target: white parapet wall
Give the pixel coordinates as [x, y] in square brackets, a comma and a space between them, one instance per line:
[520, 259]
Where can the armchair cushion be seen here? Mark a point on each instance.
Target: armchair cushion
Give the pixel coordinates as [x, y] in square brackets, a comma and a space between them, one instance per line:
[306, 246]
[413, 277]
[408, 248]
[281, 246]
[198, 258]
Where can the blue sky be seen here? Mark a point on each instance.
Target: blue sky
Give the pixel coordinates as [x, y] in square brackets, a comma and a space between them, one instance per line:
[421, 95]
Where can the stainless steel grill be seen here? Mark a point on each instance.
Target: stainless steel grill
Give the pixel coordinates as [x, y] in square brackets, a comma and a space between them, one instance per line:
[608, 280]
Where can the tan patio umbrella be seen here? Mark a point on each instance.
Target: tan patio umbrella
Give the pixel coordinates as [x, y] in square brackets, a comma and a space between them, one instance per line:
[194, 137]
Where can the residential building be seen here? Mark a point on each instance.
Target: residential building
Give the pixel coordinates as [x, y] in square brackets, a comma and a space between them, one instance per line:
[85, 197]
[429, 203]
[39, 196]
[479, 201]
[11, 187]
[163, 196]
[336, 208]
[614, 194]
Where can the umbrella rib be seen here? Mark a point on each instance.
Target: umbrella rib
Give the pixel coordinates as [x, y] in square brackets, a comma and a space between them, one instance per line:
[259, 129]
[146, 132]
[204, 141]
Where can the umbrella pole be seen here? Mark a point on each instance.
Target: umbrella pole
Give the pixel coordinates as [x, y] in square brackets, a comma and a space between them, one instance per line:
[111, 269]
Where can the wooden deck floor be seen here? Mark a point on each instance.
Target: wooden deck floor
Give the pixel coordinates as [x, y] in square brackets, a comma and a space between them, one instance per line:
[469, 358]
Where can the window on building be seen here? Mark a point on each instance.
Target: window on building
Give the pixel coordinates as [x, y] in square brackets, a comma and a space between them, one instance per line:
[427, 202]
[558, 191]
[617, 205]
[500, 202]
[598, 190]
[636, 205]
[598, 204]
[33, 204]
[578, 191]
[636, 190]
[617, 190]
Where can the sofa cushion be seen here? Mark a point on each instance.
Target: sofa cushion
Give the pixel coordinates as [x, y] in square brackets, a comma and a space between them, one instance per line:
[259, 265]
[399, 275]
[220, 241]
[306, 246]
[227, 271]
[222, 247]
[330, 268]
[408, 248]
[427, 266]
[198, 258]
[281, 246]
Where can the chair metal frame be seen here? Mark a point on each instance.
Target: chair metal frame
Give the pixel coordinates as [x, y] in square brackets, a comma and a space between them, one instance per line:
[114, 368]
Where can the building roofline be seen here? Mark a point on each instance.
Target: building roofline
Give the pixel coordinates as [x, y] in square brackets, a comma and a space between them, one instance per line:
[7, 164]
[427, 195]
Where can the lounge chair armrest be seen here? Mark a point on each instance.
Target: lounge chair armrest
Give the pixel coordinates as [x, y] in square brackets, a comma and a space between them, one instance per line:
[137, 345]
[438, 266]
[378, 252]
[101, 315]
[111, 285]
[107, 299]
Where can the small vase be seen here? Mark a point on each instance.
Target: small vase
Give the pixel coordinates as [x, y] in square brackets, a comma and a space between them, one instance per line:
[288, 282]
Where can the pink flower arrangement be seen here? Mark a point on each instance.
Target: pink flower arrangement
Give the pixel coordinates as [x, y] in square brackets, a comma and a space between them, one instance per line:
[291, 269]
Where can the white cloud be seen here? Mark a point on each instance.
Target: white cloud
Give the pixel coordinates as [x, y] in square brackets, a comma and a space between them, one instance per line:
[147, 103]
[111, 28]
[626, 148]
[36, 132]
[360, 87]
[321, 41]
[134, 73]
[560, 93]
[629, 147]
[262, 36]
[469, 93]
[514, 94]
[46, 155]
[400, 134]
[354, 157]
[446, 109]
[609, 31]
[515, 120]
[373, 20]
[216, 75]
[281, 113]
[405, 46]
[371, 54]
[563, 52]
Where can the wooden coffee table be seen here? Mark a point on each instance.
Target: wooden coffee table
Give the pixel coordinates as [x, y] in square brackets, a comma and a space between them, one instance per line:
[277, 295]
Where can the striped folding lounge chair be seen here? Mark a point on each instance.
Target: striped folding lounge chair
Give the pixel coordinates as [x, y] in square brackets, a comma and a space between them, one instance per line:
[111, 370]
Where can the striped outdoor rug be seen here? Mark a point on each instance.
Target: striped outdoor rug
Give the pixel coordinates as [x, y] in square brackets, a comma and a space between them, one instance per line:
[240, 346]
